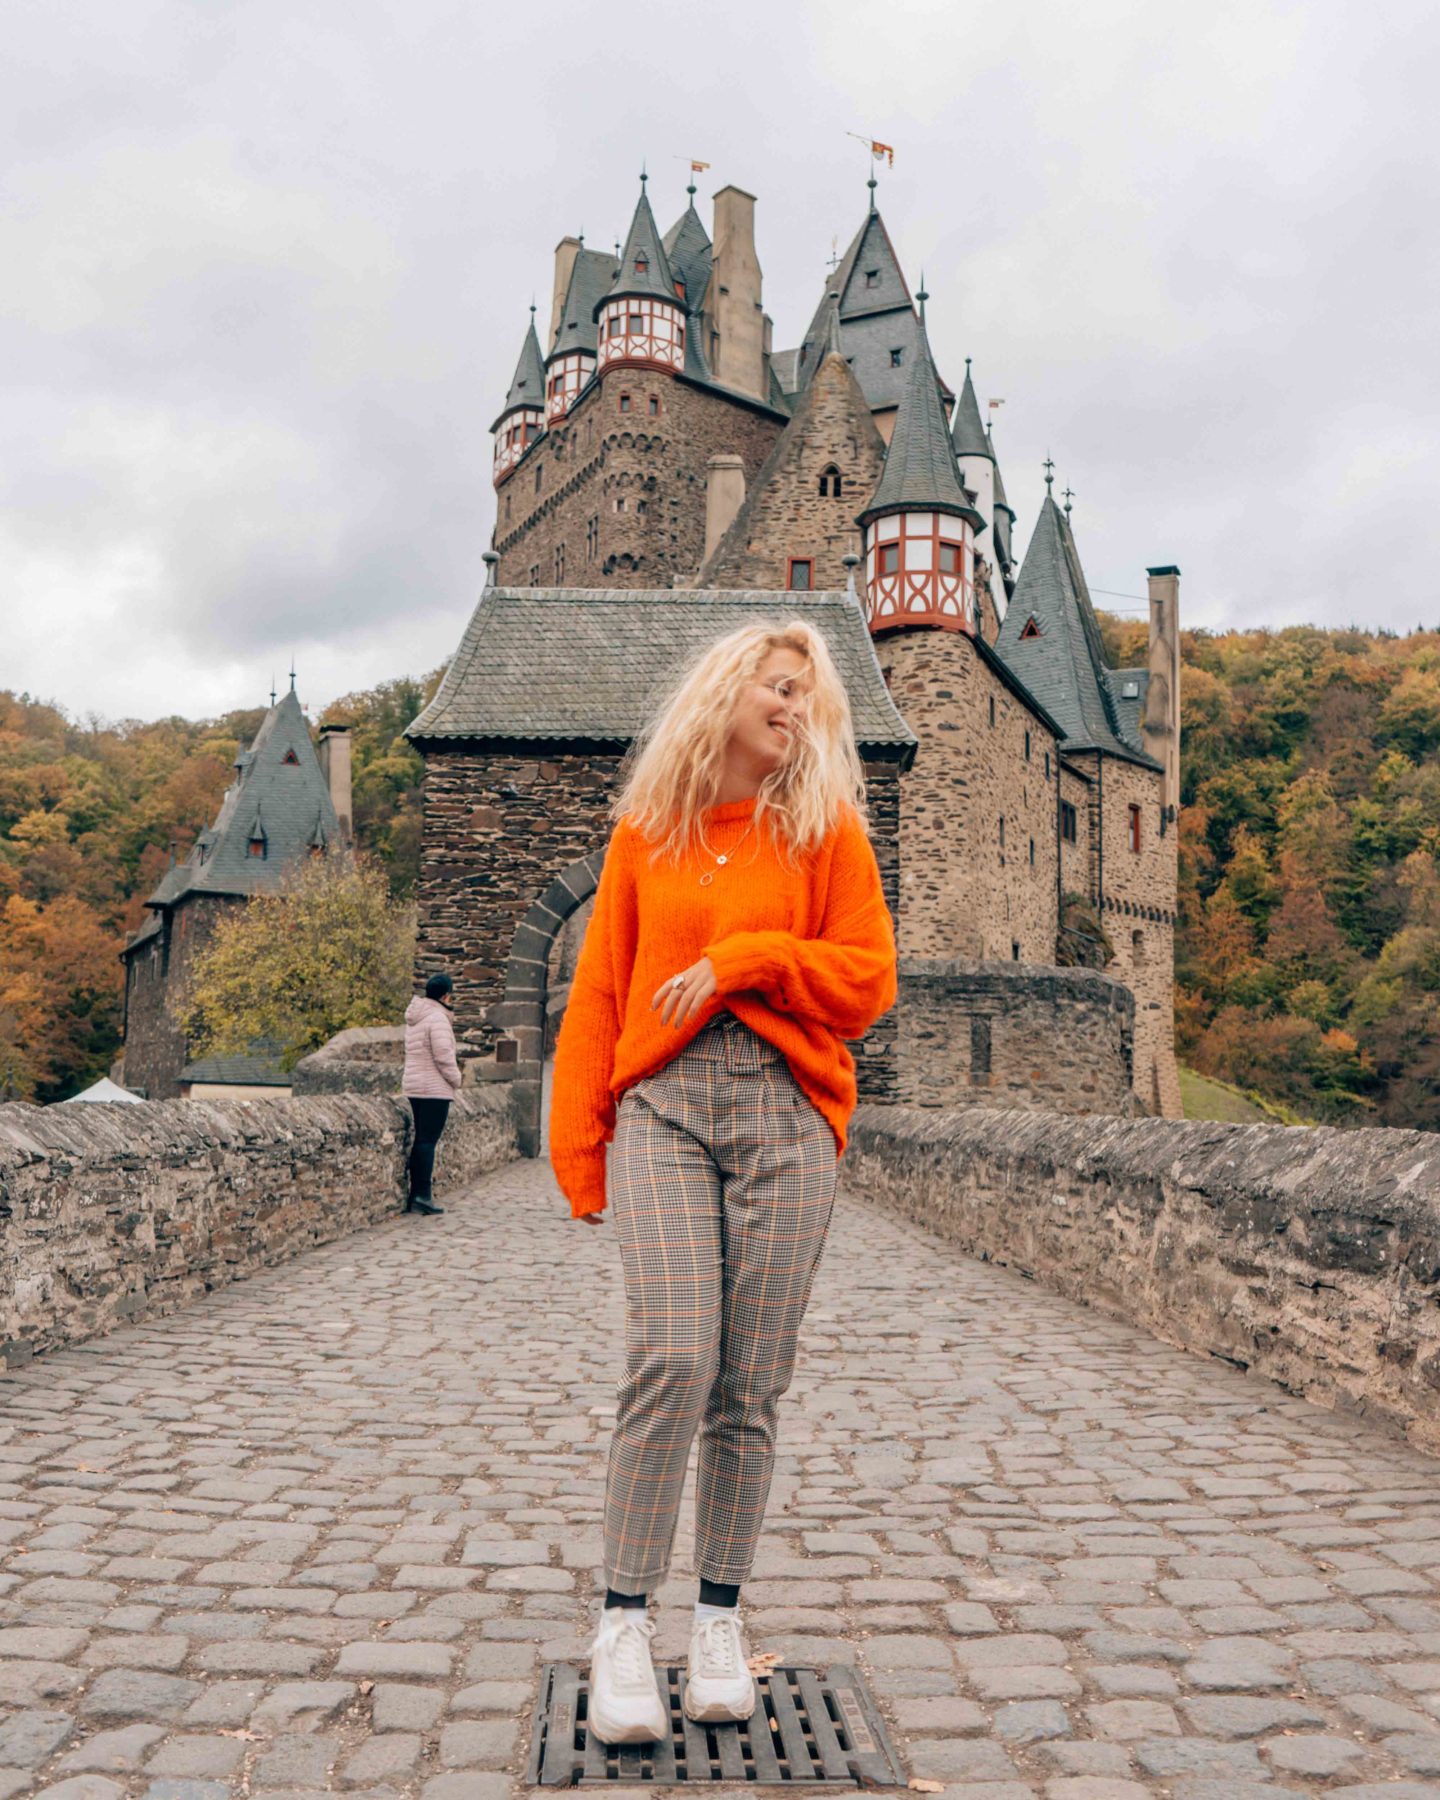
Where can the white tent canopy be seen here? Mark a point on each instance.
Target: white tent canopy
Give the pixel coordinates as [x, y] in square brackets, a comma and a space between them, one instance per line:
[107, 1092]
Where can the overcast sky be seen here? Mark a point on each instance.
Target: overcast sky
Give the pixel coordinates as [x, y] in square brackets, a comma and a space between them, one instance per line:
[267, 268]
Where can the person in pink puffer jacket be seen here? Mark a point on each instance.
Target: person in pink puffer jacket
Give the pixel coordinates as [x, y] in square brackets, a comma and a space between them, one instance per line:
[431, 1081]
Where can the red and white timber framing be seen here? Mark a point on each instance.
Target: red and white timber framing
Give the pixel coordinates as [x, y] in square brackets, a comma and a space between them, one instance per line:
[514, 435]
[920, 570]
[564, 380]
[644, 331]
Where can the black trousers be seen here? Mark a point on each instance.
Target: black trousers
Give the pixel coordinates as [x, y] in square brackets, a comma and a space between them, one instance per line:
[430, 1117]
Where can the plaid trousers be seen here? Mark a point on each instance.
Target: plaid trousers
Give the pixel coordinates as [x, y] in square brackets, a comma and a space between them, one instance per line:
[721, 1182]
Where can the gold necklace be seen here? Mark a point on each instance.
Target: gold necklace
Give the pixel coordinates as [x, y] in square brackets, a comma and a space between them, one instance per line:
[720, 861]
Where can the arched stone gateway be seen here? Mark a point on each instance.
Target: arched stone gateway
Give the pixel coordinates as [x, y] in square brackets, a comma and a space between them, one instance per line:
[521, 1014]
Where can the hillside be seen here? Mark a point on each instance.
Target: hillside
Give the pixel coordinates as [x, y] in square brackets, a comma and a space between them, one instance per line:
[1308, 961]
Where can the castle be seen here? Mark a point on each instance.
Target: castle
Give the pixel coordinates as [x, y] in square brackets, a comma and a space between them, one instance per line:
[662, 470]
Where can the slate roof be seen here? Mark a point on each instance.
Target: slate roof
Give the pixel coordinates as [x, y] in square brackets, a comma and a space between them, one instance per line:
[590, 279]
[527, 384]
[688, 249]
[566, 664]
[238, 1071]
[289, 800]
[871, 259]
[643, 243]
[1064, 667]
[967, 433]
[920, 470]
[1130, 707]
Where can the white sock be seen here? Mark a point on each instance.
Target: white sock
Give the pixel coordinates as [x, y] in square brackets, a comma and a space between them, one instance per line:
[704, 1612]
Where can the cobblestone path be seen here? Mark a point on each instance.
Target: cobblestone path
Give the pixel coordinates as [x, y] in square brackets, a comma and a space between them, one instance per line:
[315, 1534]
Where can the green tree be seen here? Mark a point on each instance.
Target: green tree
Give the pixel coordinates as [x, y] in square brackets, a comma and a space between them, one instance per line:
[327, 950]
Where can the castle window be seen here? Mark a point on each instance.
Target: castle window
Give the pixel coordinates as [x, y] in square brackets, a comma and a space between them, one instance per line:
[642, 265]
[680, 337]
[872, 278]
[539, 471]
[1067, 822]
[534, 574]
[617, 325]
[1027, 746]
[1047, 765]
[256, 847]
[291, 759]
[639, 506]
[889, 559]
[897, 357]
[992, 710]
[637, 324]
[1135, 829]
[679, 288]
[832, 483]
[654, 406]
[620, 504]
[592, 537]
[625, 403]
[1031, 629]
[1014, 951]
[1032, 853]
[799, 575]
[1002, 831]
[559, 565]
[507, 509]
[952, 558]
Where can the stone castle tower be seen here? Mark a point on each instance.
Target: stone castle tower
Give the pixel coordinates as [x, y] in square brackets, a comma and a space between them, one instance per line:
[654, 440]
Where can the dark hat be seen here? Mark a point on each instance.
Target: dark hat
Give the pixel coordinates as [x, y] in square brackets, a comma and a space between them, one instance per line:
[438, 986]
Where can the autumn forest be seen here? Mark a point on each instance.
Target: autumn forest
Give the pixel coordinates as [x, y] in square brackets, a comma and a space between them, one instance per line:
[1308, 960]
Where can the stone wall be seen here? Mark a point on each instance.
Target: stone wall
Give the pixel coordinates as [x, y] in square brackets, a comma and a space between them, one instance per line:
[112, 1213]
[367, 1059]
[1008, 1035]
[971, 886]
[1311, 1257]
[612, 498]
[156, 974]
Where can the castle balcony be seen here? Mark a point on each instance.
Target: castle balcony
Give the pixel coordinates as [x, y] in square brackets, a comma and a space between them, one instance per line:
[565, 382]
[642, 332]
[513, 437]
[919, 569]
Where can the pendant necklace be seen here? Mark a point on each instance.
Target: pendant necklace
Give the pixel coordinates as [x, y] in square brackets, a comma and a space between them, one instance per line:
[720, 861]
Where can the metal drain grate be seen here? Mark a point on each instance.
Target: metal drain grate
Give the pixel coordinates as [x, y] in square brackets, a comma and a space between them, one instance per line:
[807, 1726]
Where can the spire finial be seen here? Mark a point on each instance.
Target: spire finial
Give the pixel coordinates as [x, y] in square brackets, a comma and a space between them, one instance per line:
[872, 184]
[922, 296]
[690, 188]
[1069, 496]
[272, 690]
[643, 176]
[967, 367]
[1049, 475]
[292, 674]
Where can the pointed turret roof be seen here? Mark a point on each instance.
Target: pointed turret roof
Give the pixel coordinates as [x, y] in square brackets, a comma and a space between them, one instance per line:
[644, 267]
[869, 278]
[967, 432]
[1062, 660]
[527, 385]
[590, 278]
[688, 250]
[279, 797]
[920, 468]
[1000, 499]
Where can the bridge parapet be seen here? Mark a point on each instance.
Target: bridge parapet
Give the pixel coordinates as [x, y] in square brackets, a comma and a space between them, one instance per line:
[1309, 1256]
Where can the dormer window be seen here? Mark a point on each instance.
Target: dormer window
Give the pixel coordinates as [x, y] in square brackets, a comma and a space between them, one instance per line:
[897, 357]
[872, 278]
[1031, 629]
[642, 265]
[256, 846]
[291, 759]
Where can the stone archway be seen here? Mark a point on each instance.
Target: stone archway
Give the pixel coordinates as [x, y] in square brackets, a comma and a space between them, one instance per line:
[521, 1014]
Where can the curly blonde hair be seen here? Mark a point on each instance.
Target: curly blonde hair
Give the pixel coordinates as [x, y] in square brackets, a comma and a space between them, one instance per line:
[678, 761]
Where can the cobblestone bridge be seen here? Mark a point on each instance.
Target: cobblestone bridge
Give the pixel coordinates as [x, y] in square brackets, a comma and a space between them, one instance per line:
[317, 1533]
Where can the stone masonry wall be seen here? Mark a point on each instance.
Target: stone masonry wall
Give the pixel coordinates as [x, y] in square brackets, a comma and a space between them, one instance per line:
[639, 476]
[499, 827]
[109, 1214]
[1138, 912]
[786, 515]
[1007, 1035]
[155, 1048]
[964, 892]
[1310, 1256]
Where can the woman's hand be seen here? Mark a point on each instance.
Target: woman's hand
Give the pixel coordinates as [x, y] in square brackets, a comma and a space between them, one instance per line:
[683, 995]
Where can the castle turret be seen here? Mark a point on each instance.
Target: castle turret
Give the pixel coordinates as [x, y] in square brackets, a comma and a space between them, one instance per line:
[522, 418]
[920, 525]
[976, 461]
[573, 354]
[642, 318]
[1002, 526]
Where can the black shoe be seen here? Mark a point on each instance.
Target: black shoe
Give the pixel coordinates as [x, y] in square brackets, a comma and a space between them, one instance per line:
[416, 1204]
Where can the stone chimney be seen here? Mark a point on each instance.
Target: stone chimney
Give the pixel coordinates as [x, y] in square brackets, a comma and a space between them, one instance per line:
[737, 318]
[334, 754]
[1160, 727]
[565, 253]
[724, 496]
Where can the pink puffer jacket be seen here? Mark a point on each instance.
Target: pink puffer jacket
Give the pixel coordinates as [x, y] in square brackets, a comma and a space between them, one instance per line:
[431, 1071]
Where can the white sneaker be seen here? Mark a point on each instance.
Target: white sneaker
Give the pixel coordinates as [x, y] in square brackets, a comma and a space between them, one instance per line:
[718, 1685]
[625, 1703]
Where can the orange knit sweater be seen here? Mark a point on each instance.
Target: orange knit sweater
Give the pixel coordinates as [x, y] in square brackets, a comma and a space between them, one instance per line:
[803, 953]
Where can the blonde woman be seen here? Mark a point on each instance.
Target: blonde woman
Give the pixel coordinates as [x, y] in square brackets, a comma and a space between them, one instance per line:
[739, 937]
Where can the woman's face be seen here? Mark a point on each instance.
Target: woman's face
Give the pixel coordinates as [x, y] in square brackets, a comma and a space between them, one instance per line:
[764, 724]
